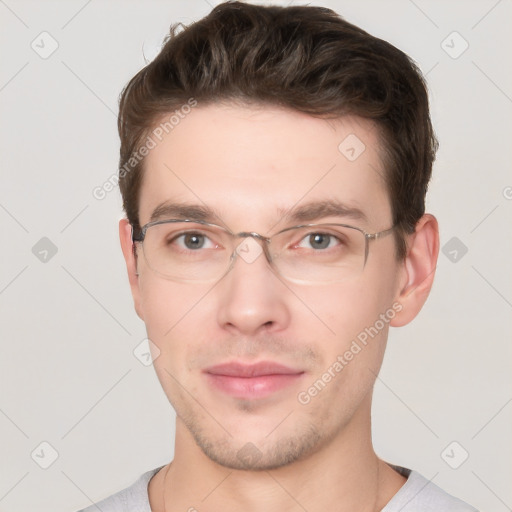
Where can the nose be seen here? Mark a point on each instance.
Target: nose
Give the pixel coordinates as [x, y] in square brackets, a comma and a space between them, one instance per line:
[252, 299]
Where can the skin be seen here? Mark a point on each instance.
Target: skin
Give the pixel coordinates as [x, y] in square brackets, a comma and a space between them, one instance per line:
[246, 162]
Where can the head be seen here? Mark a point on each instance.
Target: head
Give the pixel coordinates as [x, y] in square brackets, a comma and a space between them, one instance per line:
[247, 113]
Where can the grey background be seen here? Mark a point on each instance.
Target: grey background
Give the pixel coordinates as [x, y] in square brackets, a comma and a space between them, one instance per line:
[68, 374]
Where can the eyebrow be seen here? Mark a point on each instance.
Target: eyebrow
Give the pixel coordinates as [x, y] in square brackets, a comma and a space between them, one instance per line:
[308, 212]
[168, 210]
[315, 210]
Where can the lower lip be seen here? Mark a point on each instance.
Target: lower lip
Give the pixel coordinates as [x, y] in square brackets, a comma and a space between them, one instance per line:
[252, 387]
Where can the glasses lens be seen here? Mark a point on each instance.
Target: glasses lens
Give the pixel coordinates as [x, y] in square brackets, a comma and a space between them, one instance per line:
[187, 250]
[321, 253]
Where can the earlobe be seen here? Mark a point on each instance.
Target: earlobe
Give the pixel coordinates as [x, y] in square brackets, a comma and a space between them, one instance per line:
[418, 270]
[125, 237]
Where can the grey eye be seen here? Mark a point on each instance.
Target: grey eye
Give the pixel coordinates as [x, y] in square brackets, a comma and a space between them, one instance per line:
[319, 240]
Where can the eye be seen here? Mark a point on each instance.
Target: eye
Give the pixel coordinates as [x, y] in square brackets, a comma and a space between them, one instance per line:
[193, 241]
[318, 241]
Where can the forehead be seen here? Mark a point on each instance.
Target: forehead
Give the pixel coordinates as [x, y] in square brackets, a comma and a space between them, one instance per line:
[253, 164]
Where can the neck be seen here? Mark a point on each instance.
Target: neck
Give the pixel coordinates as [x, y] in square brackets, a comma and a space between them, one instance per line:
[343, 474]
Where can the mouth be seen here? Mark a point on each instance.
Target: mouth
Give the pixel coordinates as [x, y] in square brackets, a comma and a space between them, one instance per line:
[251, 381]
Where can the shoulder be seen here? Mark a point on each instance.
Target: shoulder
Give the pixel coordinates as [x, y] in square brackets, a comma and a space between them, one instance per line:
[421, 495]
[131, 499]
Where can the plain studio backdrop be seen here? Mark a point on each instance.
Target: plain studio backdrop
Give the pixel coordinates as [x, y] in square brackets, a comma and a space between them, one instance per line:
[82, 414]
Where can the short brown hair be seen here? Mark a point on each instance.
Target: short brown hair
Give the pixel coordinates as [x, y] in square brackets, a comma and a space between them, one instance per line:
[304, 58]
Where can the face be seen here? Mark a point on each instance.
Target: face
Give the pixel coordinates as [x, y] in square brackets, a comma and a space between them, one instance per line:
[251, 166]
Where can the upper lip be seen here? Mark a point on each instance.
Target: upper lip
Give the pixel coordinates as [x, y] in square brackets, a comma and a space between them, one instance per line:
[236, 369]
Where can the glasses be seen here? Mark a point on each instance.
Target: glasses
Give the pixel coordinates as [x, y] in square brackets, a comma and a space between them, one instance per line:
[194, 250]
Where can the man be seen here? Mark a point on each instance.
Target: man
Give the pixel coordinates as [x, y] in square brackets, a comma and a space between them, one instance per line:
[274, 165]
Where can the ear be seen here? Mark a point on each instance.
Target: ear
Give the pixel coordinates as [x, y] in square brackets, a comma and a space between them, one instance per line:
[125, 236]
[418, 269]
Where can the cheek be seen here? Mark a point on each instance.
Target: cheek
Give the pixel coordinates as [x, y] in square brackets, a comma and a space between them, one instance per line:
[353, 354]
[171, 311]
[357, 316]
[347, 309]
[165, 303]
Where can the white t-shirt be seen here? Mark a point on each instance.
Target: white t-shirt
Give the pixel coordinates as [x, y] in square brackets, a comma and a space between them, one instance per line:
[417, 495]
